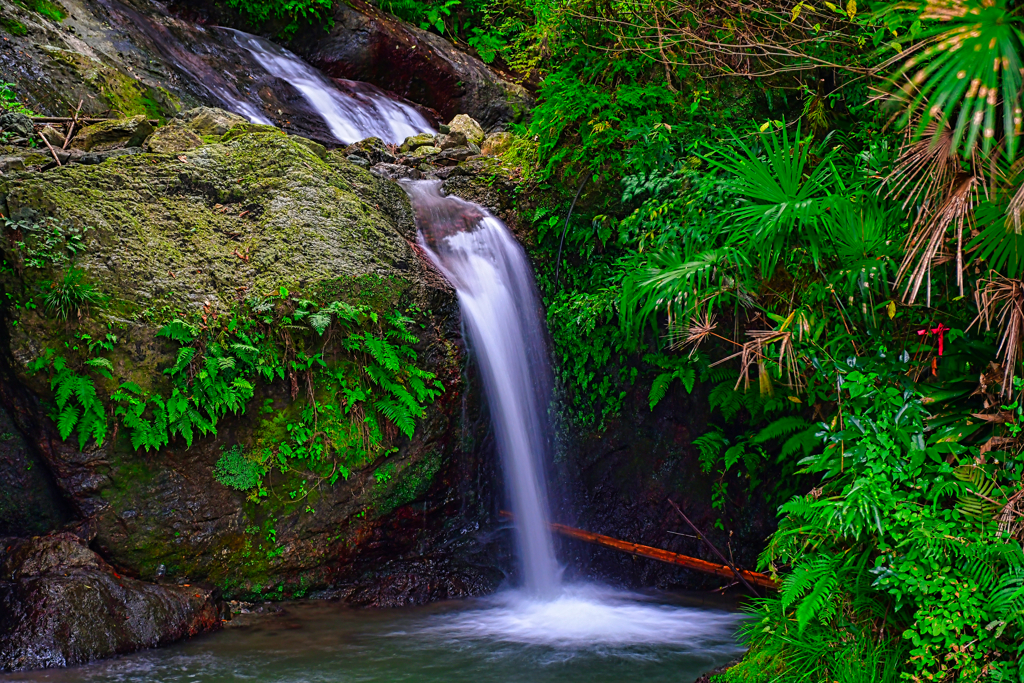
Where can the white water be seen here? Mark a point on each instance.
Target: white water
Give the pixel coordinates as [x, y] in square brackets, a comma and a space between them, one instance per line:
[363, 111]
[502, 312]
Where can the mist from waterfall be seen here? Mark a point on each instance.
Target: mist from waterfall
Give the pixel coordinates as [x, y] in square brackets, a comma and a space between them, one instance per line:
[502, 312]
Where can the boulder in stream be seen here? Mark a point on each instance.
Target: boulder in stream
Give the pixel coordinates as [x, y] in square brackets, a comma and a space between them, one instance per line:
[61, 604]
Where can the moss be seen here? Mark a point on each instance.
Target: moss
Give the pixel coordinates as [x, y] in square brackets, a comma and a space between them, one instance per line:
[50, 10]
[13, 26]
[125, 95]
[403, 483]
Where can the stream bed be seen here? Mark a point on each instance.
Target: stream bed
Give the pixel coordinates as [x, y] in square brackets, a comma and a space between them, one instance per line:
[588, 635]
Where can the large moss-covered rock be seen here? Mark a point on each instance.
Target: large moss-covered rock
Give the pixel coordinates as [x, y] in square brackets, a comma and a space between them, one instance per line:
[193, 234]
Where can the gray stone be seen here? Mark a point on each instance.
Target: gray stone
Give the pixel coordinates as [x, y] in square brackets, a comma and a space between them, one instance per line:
[52, 135]
[18, 124]
[467, 126]
[107, 135]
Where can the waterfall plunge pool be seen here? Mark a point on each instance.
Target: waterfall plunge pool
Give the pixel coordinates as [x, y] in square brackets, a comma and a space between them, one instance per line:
[589, 634]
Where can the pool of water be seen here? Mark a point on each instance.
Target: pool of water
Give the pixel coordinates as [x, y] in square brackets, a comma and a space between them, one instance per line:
[588, 635]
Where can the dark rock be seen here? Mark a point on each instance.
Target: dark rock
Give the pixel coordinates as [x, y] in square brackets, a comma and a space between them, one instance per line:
[395, 171]
[61, 604]
[367, 44]
[30, 503]
[358, 160]
[18, 124]
[710, 676]
[372, 149]
[455, 139]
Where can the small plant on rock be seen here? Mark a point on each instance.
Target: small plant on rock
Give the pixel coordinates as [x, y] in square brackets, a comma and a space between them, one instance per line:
[69, 294]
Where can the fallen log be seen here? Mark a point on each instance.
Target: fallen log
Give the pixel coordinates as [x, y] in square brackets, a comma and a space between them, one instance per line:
[68, 119]
[661, 555]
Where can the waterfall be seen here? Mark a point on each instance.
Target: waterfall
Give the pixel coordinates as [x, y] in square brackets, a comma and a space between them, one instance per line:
[363, 111]
[502, 312]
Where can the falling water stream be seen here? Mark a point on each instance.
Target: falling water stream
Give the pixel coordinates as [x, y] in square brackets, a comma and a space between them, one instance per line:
[500, 306]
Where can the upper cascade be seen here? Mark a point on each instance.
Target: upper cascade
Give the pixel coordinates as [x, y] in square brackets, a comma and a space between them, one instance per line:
[358, 112]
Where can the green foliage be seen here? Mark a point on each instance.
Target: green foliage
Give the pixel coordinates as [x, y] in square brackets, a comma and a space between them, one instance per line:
[239, 472]
[69, 294]
[78, 408]
[898, 532]
[50, 10]
[293, 12]
[46, 242]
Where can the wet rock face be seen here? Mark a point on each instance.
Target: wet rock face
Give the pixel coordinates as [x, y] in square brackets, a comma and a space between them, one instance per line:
[366, 44]
[61, 604]
[30, 502]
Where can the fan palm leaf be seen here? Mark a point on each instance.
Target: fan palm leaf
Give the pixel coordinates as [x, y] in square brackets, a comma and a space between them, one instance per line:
[970, 73]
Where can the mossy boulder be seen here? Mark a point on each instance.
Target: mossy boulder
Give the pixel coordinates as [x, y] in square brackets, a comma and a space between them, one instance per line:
[467, 126]
[173, 138]
[210, 120]
[425, 151]
[192, 235]
[107, 135]
[415, 141]
[496, 144]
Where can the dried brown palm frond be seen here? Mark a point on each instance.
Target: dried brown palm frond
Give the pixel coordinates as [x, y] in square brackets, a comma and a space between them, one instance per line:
[925, 167]
[927, 236]
[753, 352]
[1002, 299]
[1011, 517]
[694, 333]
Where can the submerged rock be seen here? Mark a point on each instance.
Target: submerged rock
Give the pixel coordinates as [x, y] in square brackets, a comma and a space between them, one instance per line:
[61, 604]
[108, 135]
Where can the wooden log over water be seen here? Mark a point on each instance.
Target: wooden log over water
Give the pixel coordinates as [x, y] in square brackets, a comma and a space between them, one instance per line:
[660, 555]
